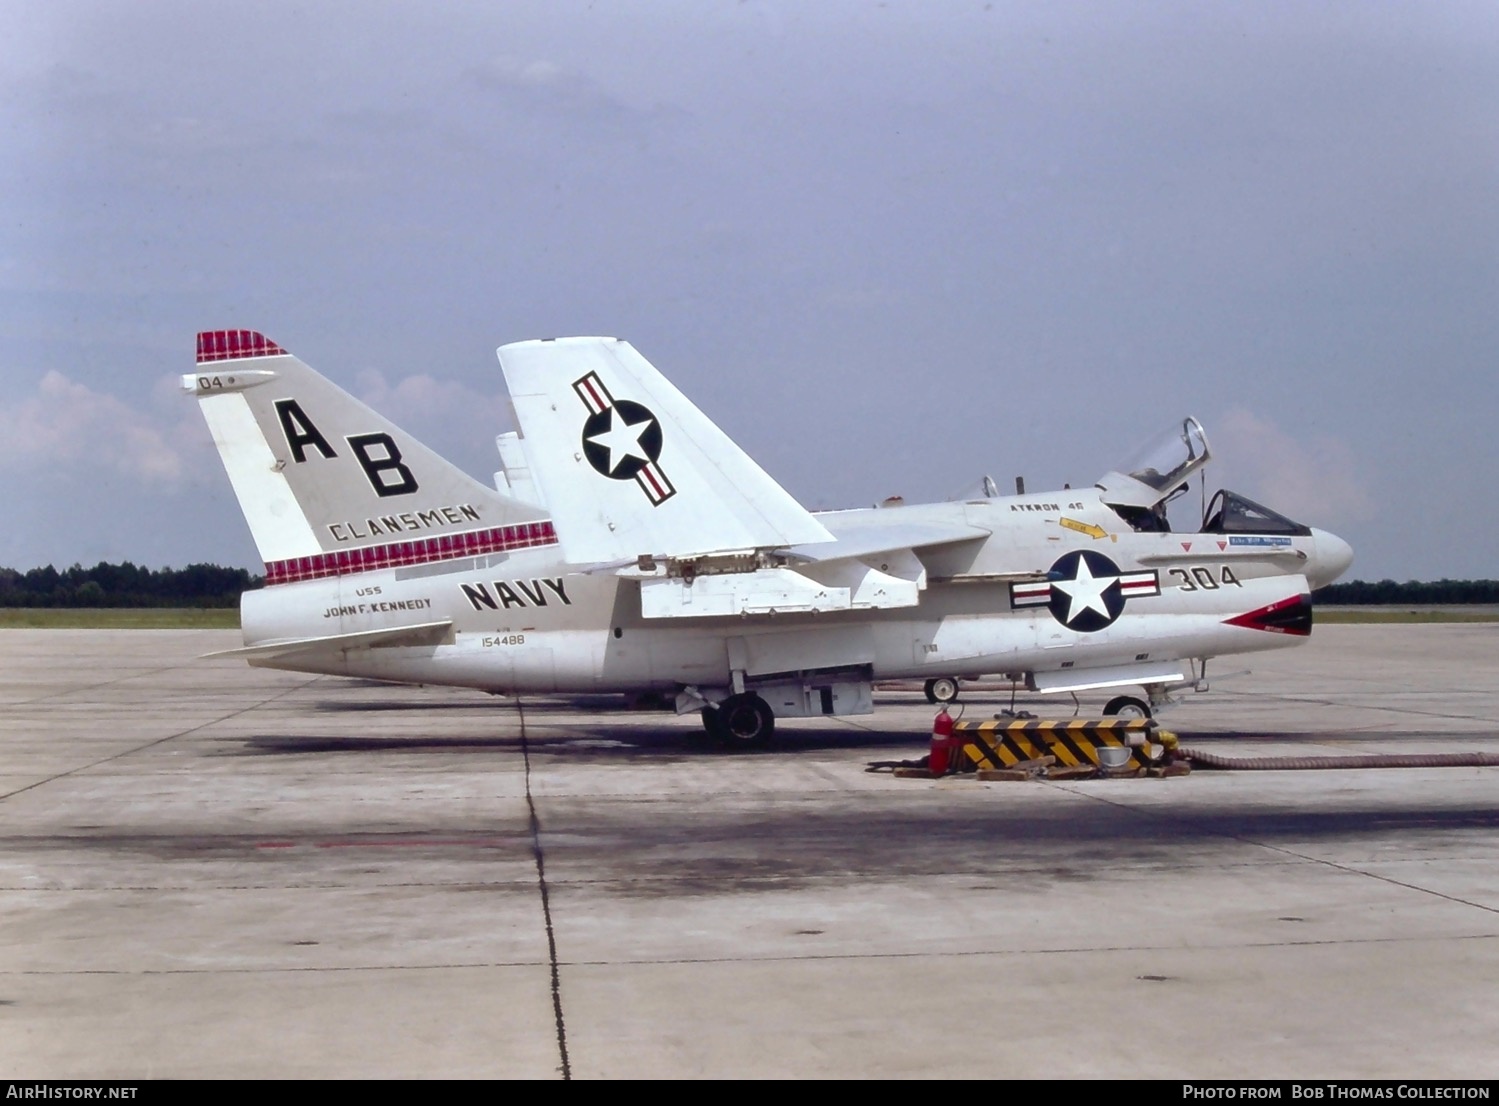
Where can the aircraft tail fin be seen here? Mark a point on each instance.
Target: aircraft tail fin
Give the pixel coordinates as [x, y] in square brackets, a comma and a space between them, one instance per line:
[330, 487]
[514, 476]
[629, 467]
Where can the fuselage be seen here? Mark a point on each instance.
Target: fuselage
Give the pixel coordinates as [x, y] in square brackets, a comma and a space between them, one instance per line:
[1059, 582]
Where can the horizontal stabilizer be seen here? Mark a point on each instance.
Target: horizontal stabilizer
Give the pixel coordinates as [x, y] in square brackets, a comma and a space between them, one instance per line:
[426, 633]
[628, 466]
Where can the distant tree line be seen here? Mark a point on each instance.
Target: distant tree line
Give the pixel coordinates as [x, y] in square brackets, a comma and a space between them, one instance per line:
[125, 585]
[1361, 593]
[129, 585]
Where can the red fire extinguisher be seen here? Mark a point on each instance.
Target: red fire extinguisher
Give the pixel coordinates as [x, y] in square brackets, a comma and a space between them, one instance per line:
[940, 759]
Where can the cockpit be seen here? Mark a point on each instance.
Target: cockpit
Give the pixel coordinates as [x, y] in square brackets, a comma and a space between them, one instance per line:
[1160, 469]
[1139, 490]
[1232, 513]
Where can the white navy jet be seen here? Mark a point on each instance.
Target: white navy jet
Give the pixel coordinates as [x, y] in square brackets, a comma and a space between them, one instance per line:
[631, 546]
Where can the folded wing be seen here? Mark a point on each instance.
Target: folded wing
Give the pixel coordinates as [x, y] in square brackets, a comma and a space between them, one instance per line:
[629, 467]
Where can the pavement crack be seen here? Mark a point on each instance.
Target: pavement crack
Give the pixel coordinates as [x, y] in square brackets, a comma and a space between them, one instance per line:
[546, 899]
[156, 741]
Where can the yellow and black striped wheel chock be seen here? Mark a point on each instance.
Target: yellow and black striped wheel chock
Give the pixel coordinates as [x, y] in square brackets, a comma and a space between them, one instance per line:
[1005, 743]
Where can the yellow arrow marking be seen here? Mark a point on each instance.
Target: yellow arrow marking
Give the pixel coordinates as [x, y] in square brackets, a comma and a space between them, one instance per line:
[1088, 528]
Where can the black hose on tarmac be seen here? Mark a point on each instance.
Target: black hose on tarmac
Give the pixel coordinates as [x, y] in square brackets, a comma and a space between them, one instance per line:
[1305, 764]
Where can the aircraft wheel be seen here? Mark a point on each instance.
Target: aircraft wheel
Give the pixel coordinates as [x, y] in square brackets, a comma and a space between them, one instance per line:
[1126, 706]
[944, 689]
[745, 721]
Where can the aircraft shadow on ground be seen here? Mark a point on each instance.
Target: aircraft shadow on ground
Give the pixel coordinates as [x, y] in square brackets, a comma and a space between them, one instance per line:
[620, 731]
[708, 847]
[994, 846]
[602, 740]
[392, 706]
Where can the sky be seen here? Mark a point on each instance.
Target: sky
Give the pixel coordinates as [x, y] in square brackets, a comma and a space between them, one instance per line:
[888, 247]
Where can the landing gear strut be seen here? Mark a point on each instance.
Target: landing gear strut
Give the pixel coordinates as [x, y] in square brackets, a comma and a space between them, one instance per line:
[744, 721]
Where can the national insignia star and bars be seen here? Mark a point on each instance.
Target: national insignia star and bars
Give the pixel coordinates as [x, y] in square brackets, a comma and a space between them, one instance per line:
[613, 419]
[1097, 572]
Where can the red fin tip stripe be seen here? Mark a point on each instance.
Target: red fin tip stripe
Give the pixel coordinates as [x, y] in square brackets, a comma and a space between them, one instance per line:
[231, 345]
[402, 554]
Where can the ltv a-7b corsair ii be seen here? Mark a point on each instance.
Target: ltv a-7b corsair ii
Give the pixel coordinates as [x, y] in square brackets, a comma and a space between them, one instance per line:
[631, 546]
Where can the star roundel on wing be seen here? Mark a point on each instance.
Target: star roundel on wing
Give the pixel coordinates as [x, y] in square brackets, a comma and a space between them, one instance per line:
[621, 439]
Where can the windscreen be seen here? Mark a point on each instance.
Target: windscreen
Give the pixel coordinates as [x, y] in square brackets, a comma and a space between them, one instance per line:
[1232, 513]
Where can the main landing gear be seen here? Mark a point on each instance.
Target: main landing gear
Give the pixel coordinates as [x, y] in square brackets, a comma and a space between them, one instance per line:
[944, 689]
[740, 721]
[1126, 706]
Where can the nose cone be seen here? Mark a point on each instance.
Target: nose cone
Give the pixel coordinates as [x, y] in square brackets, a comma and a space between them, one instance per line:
[1331, 559]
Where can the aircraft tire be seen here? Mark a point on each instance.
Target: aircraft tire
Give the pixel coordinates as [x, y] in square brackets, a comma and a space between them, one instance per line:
[943, 689]
[744, 722]
[1126, 706]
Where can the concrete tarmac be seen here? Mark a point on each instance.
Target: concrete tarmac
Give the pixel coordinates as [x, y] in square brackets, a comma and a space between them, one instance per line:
[210, 870]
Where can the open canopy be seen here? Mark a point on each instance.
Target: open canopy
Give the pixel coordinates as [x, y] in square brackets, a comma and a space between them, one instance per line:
[1165, 464]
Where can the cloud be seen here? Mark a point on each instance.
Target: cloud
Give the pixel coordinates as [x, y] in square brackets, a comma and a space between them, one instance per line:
[63, 422]
[530, 93]
[426, 398]
[512, 72]
[455, 421]
[1312, 479]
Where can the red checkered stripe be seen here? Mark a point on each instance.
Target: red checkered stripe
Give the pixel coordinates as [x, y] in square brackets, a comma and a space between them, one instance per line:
[401, 554]
[230, 345]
